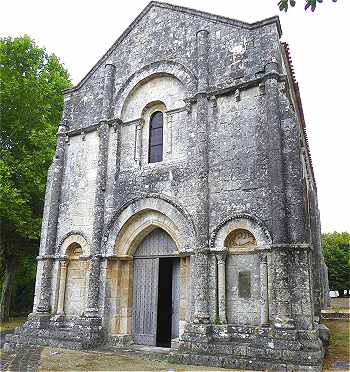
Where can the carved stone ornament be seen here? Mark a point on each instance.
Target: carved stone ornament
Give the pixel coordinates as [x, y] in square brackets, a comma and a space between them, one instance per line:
[240, 238]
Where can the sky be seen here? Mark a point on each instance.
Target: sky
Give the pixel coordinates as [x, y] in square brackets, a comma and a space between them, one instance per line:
[79, 32]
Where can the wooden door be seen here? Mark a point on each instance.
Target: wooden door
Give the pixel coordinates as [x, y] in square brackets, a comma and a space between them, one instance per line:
[145, 303]
[153, 247]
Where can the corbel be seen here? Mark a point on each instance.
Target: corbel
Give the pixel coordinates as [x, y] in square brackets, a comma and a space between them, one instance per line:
[83, 135]
[262, 88]
[214, 101]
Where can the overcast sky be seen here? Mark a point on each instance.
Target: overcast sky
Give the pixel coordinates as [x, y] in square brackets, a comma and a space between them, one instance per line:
[79, 32]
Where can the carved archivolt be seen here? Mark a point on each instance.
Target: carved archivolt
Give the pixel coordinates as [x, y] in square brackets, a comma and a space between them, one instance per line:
[140, 216]
[241, 231]
[74, 244]
[159, 68]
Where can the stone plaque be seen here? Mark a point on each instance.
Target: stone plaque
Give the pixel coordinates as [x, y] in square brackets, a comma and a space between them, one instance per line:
[244, 284]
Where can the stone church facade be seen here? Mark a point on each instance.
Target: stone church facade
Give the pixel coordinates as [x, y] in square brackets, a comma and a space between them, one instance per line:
[181, 205]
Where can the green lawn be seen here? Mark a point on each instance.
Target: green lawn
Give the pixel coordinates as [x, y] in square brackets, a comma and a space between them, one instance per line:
[338, 349]
[12, 323]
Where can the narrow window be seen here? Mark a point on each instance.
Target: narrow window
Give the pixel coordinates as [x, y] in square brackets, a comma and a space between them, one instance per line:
[155, 153]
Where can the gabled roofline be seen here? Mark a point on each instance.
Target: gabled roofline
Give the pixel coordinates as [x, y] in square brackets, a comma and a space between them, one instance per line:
[299, 108]
[209, 16]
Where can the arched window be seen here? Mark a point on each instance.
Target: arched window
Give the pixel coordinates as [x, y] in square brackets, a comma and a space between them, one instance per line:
[155, 153]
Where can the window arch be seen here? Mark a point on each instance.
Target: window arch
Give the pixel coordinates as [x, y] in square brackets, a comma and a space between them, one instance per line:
[155, 151]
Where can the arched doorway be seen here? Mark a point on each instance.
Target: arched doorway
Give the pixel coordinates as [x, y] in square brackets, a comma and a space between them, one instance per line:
[156, 294]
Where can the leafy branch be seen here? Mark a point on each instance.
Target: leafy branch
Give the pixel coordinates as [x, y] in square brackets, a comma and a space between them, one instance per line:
[309, 4]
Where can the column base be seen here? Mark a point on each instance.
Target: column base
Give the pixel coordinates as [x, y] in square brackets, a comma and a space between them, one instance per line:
[250, 348]
[121, 340]
[201, 318]
[197, 332]
[78, 333]
[38, 320]
[284, 322]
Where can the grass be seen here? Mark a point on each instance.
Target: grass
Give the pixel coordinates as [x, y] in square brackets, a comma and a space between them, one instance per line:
[12, 323]
[339, 346]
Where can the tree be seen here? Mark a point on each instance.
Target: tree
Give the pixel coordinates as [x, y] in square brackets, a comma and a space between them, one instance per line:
[31, 99]
[336, 250]
[309, 4]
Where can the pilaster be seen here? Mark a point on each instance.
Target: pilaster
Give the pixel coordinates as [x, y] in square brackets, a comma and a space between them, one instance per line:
[55, 174]
[221, 262]
[201, 314]
[264, 291]
[274, 152]
[99, 205]
[62, 287]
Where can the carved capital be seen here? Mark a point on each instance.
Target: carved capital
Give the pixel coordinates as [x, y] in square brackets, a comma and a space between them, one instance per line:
[62, 129]
[83, 135]
[96, 257]
[221, 258]
[214, 101]
[63, 264]
[262, 88]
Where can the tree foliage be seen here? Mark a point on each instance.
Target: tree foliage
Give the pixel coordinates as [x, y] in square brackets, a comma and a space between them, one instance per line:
[31, 99]
[309, 4]
[336, 250]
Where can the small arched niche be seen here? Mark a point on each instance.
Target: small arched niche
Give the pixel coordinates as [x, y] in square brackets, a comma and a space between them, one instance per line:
[74, 251]
[76, 281]
[240, 240]
[242, 278]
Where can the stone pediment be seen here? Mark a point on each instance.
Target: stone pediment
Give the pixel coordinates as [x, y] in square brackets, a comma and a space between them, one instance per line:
[180, 9]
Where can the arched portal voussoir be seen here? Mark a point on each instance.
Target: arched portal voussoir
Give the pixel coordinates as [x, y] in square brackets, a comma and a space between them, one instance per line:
[243, 221]
[139, 217]
[170, 68]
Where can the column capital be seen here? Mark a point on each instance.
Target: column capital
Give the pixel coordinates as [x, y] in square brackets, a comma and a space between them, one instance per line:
[96, 257]
[221, 258]
[203, 250]
[219, 250]
[64, 263]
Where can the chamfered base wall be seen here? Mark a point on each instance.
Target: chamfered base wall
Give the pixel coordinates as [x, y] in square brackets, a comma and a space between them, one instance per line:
[258, 348]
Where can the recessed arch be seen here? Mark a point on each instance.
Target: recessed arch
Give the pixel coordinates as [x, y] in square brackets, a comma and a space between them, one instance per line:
[74, 238]
[156, 69]
[243, 222]
[144, 214]
[139, 226]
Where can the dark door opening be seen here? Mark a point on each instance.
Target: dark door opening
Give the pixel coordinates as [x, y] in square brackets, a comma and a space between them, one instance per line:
[164, 311]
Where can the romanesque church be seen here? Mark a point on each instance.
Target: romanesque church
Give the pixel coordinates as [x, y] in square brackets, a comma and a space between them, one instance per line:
[181, 205]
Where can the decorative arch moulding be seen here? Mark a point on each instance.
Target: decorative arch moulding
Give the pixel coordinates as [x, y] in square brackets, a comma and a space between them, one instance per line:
[159, 68]
[175, 216]
[245, 221]
[70, 238]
